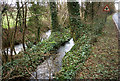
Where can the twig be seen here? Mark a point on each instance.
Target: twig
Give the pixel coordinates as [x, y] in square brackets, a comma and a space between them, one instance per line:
[8, 74]
[30, 73]
[16, 76]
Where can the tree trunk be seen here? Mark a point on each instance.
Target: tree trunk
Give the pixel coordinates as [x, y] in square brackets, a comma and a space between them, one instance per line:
[54, 17]
[82, 10]
[24, 25]
[5, 56]
[8, 34]
[38, 27]
[74, 18]
[13, 37]
[92, 11]
[86, 11]
[0, 35]
[19, 13]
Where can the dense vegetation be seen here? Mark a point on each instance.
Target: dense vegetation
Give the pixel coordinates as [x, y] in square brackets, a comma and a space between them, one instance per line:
[26, 24]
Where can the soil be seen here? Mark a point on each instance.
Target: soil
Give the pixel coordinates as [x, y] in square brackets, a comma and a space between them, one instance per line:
[103, 63]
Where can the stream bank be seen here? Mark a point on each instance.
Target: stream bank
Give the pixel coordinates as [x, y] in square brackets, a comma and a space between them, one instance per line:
[19, 47]
[53, 64]
[35, 55]
[80, 52]
[103, 63]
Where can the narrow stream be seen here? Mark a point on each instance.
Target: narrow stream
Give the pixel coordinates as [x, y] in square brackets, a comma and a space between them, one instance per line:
[53, 64]
[19, 48]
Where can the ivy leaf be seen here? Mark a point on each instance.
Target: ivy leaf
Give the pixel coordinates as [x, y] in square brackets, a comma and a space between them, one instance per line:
[52, 42]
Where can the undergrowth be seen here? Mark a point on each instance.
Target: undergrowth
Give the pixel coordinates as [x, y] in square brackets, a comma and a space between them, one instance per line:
[75, 58]
[34, 56]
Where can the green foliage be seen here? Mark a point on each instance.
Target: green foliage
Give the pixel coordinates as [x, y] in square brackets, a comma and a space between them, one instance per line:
[54, 41]
[74, 18]
[34, 55]
[35, 21]
[74, 59]
[5, 22]
[98, 25]
[78, 54]
[18, 66]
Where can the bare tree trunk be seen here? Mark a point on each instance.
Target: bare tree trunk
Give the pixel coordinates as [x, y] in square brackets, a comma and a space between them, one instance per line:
[86, 11]
[19, 13]
[92, 11]
[38, 27]
[24, 24]
[106, 17]
[82, 10]
[8, 35]
[0, 48]
[15, 51]
[13, 36]
[5, 56]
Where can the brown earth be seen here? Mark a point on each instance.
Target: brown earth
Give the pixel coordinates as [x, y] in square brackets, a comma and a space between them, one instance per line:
[103, 63]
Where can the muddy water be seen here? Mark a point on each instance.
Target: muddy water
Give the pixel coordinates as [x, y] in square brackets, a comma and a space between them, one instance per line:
[53, 64]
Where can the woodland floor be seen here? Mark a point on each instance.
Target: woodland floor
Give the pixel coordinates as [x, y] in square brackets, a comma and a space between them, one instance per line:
[103, 63]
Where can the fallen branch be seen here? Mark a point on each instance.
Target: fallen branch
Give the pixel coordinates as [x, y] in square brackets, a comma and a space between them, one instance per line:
[16, 76]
